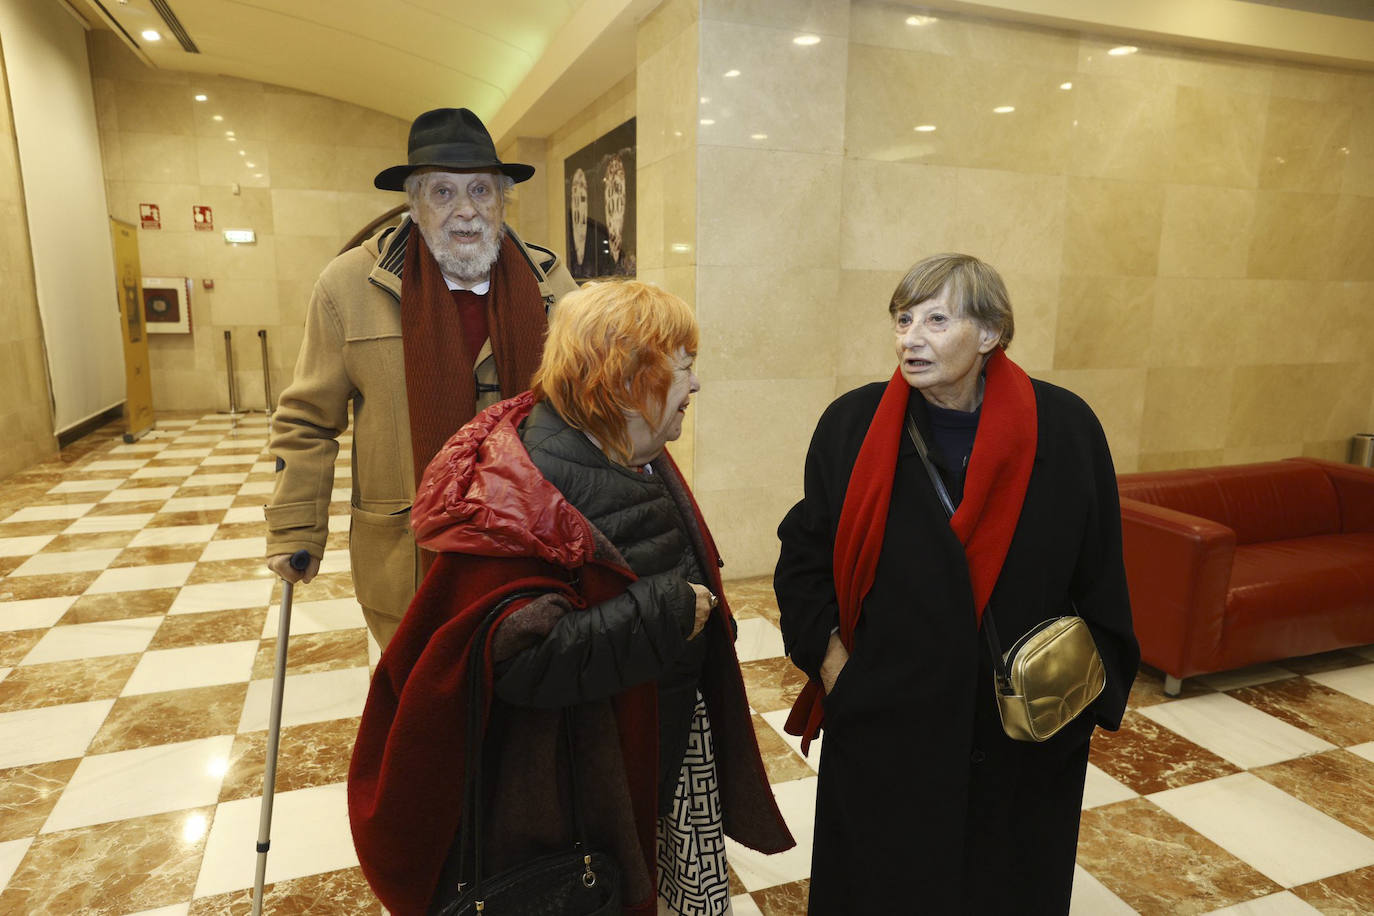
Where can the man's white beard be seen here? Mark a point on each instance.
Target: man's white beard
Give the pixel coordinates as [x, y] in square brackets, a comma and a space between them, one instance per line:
[480, 257]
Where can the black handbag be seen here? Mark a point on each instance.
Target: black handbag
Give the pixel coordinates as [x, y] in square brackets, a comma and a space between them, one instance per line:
[577, 882]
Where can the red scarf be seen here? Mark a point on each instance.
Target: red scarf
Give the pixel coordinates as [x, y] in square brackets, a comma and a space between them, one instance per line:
[998, 472]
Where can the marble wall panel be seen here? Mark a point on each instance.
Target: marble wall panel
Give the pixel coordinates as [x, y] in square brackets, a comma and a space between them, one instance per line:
[744, 524]
[1185, 409]
[1101, 321]
[1303, 144]
[1205, 231]
[1193, 322]
[1122, 128]
[895, 213]
[1117, 396]
[867, 348]
[899, 26]
[1218, 137]
[1293, 236]
[817, 17]
[1012, 220]
[753, 434]
[1111, 228]
[1035, 301]
[769, 322]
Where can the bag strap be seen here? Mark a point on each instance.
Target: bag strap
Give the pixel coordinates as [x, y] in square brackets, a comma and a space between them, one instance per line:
[999, 666]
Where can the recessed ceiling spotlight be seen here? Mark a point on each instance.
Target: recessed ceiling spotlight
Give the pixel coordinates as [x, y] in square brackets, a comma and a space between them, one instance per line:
[202, 97]
[217, 118]
[705, 100]
[151, 35]
[249, 165]
[1066, 85]
[731, 74]
[758, 136]
[1004, 109]
[1123, 50]
[707, 122]
[807, 40]
[924, 128]
[243, 153]
[920, 20]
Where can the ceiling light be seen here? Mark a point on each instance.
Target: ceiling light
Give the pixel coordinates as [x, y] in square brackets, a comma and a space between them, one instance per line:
[1066, 85]
[202, 97]
[920, 20]
[731, 74]
[249, 165]
[152, 35]
[705, 100]
[1004, 109]
[707, 122]
[217, 118]
[257, 174]
[758, 136]
[924, 128]
[242, 153]
[807, 40]
[1123, 50]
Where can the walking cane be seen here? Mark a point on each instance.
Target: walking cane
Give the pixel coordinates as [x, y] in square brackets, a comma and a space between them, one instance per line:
[299, 561]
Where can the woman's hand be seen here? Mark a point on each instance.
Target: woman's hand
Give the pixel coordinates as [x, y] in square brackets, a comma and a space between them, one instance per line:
[706, 602]
[836, 657]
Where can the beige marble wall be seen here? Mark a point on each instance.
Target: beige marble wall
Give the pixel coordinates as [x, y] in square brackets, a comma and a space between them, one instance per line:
[26, 425]
[304, 184]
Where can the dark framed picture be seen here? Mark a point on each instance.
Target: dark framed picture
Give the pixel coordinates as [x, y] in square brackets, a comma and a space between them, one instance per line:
[167, 305]
[599, 190]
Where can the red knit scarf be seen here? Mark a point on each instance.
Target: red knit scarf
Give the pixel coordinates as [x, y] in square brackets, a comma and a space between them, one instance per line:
[440, 387]
[995, 487]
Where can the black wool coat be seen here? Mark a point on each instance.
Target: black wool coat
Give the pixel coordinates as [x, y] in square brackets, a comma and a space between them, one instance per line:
[923, 804]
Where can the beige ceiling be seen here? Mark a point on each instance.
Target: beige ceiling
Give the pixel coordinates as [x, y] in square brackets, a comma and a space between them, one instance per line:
[401, 57]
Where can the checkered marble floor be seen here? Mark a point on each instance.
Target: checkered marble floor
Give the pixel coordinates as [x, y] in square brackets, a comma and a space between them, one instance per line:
[137, 639]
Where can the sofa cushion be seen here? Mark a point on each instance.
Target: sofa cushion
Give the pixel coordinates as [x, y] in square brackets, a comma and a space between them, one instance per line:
[1272, 501]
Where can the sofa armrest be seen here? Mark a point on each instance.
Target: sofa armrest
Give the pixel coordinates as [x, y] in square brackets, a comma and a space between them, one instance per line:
[1354, 492]
[1178, 567]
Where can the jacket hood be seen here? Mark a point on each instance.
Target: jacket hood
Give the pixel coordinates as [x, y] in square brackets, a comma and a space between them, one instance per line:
[481, 494]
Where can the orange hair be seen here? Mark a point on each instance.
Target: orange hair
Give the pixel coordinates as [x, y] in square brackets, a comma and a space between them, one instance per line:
[610, 350]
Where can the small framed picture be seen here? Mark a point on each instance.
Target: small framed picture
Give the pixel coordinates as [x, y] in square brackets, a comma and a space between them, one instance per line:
[167, 305]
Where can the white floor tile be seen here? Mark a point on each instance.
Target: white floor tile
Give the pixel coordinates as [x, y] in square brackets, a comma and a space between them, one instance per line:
[176, 909]
[100, 524]
[339, 523]
[198, 503]
[11, 854]
[22, 547]
[33, 613]
[172, 535]
[143, 781]
[307, 698]
[257, 488]
[1101, 789]
[1357, 681]
[138, 448]
[137, 578]
[171, 470]
[264, 467]
[171, 454]
[1365, 750]
[1244, 677]
[174, 424]
[1285, 903]
[229, 460]
[50, 513]
[317, 616]
[222, 596]
[4, 673]
[777, 718]
[91, 640]
[310, 835]
[1234, 730]
[88, 486]
[68, 561]
[797, 801]
[161, 670]
[241, 514]
[1277, 835]
[214, 480]
[50, 733]
[139, 495]
[758, 638]
[341, 495]
[235, 549]
[1092, 898]
[131, 464]
[336, 561]
[744, 905]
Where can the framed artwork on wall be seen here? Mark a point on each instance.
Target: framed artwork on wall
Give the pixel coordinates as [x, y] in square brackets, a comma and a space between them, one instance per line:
[599, 194]
[167, 305]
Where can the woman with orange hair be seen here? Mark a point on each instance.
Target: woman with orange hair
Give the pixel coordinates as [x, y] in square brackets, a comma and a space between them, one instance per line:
[615, 709]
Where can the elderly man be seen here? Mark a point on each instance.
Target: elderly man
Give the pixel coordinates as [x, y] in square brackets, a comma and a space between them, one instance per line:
[418, 331]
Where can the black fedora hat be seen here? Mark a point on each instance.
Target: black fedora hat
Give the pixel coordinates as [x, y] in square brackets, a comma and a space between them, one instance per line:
[449, 138]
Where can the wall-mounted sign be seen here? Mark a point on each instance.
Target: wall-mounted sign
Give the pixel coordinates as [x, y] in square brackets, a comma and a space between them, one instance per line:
[149, 216]
[599, 191]
[166, 305]
[202, 218]
[240, 236]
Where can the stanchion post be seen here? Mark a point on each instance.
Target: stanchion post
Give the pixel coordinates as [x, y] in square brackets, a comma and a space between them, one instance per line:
[266, 372]
[229, 370]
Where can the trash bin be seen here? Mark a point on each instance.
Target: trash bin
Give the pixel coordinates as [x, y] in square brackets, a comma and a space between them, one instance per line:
[1362, 449]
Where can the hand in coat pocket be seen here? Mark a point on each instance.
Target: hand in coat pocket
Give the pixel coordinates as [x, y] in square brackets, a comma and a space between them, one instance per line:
[836, 657]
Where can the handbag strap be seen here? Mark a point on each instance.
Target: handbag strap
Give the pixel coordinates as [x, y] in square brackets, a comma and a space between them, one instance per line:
[999, 667]
[470, 830]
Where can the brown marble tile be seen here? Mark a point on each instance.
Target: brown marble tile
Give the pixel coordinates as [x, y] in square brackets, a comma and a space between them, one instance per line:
[1337, 783]
[320, 588]
[28, 795]
[153, 556]
[10, 564]
[772, 683]
[141, 508]
[164, 718]
[1323, 661]
[103, 540]
[1148, 757]
[15, 644]
[337, 541]
[312, 652]
[181, 630]
[1317, 709]
[239, 530]
[1148, 688]
[1347, 894]
[219, 489]
[228, 571]
[783, 899]
[1157, 864]
[58, 683]
[120, 867]
[310, 755]
[752, 598]
[781, 762]
[173, 519]
[149, 483]
[736, 885]
[23, 587]
[28, 529]
[67, 499]
[343, 891]
[248, 500]
[119, 605]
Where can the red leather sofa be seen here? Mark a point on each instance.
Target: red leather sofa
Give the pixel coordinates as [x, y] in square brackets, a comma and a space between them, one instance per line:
[1232, 566]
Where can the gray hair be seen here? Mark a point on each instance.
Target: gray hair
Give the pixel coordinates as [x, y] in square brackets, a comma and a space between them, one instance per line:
[976, 291]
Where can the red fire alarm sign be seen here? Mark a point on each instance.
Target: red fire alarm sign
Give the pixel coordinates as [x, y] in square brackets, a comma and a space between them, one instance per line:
[149, 216]
[202, 218]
